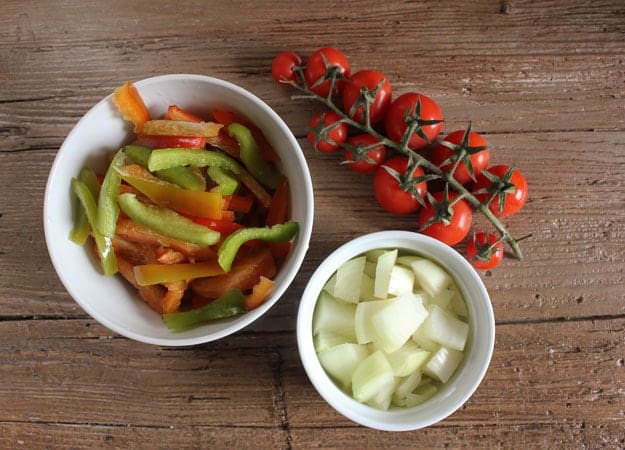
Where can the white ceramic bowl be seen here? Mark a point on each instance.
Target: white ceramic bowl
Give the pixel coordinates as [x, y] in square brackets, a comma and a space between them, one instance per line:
[111, 300]
[477, 353]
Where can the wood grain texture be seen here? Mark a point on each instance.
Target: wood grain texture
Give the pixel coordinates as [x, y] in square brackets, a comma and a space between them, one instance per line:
[544, 81]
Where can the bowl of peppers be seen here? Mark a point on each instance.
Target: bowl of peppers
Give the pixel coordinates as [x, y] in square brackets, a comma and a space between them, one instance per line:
[178, 210]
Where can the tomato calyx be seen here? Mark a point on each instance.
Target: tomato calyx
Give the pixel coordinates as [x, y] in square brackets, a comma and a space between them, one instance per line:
[462, 153]
[486, 249]
[500, 187]
[365, 100]
[360, 152]
[409, 183]
[443, 210]
[333, 74]
[322, 131]
[415, 123]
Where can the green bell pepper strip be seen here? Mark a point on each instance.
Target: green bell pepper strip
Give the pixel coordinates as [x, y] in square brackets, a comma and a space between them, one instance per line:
[262, 170]
[108, 211]
[80, 232]
[229, 248]
[229, 304]
[104, 244]
[185, 177]
[167, 222]
[164, 158]
[226, 183]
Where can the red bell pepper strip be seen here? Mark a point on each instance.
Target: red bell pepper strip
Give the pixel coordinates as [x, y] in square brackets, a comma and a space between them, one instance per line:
[279, 208]
[224, 227]
[151, 141]
[175, 112]
[238, 203]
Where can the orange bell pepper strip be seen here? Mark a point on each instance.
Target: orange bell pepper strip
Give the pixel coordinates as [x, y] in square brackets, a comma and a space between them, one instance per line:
[148, 274]
[181, 128]
[167, 195]
[131, 105]
[174, 112]
[224, 227]
[260, 293]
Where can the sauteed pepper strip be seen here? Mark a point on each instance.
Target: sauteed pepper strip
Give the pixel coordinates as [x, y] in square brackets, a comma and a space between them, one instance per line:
[266, 173]
[167, 222]
[103, 243]
[228, 305]
[278, 233]
[108, 211]
[184, 177]
[165, 158]
[80, 231]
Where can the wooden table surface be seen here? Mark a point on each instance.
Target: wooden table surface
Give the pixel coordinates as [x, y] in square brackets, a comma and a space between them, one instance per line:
[544, 81]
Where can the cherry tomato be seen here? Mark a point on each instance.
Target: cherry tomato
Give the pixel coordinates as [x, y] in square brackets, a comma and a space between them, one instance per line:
[394, 195]
[283, 67]
[361, 160]
[478, 158]
[485, 251]
[509, 185]
[366, 80]
[327, 140]
[458, 222]
[421, 108]
[322, 63]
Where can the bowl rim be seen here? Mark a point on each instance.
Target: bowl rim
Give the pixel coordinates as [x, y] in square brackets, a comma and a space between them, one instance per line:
[304, 233]
[399, 419]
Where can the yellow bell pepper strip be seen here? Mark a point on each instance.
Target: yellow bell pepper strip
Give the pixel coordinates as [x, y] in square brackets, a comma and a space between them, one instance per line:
[263, 171]
[164, 158]
[147, 274]
[167, 222]
[130, 104]
[229, 248]
[167, 195]
[228, 305]
[226, 183]
[80, 232]
[185, 177]
[260, 293]
[181, 128]
[108, 211]
[104, 244]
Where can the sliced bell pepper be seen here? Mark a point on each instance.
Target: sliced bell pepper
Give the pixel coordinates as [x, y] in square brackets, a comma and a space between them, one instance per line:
[80, 232]
[175, 112]
[167, 195]
[238, 203]
[260, 293]
[104, 244]
[170, 141]
[147, 274]
[225, 117]
[108, 211]
[166, 222]
[181, 128]
[225, 143]
[166, 158]
[223, 227]
[185, 177]
[279, 209]
[262, 170]
[129, 102]
[226, 183]
[230, 247]
[228, 305]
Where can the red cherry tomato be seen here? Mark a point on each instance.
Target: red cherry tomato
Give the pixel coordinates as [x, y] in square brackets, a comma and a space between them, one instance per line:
[479, 159]
[394, 195]
[327, 133]
[361, 159]
[485, 251]
[459, 221]
[359, 82]
[510, 186]
[422, 109]
[320, 64]
[283, 67]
